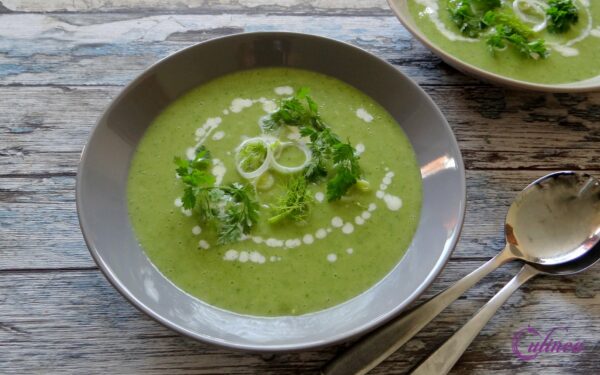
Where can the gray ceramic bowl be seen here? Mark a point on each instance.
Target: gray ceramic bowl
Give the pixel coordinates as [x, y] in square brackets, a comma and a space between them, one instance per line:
[400, 8]
[102, 177]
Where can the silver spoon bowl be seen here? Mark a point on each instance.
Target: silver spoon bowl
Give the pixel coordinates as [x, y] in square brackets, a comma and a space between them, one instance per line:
[553, 225]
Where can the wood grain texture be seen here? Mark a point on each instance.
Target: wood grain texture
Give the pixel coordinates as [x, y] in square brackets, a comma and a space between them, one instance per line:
[496, 128]
[112, 48]
[40, 230]
[57, 322]
[62, 61]
[202, 6]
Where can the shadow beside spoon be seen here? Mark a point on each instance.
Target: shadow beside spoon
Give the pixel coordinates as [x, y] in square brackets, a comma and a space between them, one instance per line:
[553, 225]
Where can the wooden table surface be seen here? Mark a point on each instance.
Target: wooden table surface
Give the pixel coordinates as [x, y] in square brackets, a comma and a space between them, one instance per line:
[62, 61]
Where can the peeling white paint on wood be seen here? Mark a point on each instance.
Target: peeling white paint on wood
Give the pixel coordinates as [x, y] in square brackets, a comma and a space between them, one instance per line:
[58, 314]
[103, 5]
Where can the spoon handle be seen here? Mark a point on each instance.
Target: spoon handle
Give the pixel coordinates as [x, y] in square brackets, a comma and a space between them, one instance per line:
[443, 359]
[371, 350]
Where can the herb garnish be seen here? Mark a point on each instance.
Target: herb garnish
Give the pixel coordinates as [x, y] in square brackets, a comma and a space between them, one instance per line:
[509, 30]
[232, 208]
[295, 204]
[463, 14]
[329, 153]
[473, 17]
[563, 14]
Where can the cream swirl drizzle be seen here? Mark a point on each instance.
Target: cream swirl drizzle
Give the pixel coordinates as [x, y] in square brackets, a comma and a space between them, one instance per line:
[566, 48]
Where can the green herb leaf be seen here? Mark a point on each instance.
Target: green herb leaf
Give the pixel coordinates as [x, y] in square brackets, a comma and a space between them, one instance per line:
[329, 153]
[238, 212]
[508, 30]
[563, 14]
[233, 208]
[347, 171]
[295, 204]
[189, 198]
[243, 198]
[467, 14]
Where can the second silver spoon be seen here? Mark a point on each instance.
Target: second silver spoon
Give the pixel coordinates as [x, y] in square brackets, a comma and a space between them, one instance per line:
[574, 239]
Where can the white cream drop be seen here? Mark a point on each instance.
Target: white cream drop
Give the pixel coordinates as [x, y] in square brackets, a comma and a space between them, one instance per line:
[372, 207]
[349, 250]
[379, 194]
[204, 131]
[321, 233]
[203, 244]
[190, 153]
[256, 257]
[273, 242]
[319, 196]
[225, 112]
[565, 51]
[392, 202]
[244, 256]
[218, 171]
[284, 90]
[359, 220]
[360, 148]
[337, 222]
[269, 106]
[366, 215]
[257, 239]
[308, 239]
[348, 228]
[230, 255]
[331, 258]
[196, 230]
[178, 202]
[238, 104]
[187, 213]
[362, 114]
[218, 135]
[292, 243]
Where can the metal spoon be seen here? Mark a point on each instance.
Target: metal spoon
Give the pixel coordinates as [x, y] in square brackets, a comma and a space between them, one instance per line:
[445, 357]
[553, 221]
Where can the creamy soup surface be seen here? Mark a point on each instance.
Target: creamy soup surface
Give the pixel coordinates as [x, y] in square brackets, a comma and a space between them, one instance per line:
[573, 53]
[284, 268]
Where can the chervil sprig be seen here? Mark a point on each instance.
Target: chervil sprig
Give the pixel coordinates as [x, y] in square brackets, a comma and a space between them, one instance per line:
[330, 156]
[233, 209]
[510, 31]
[562, 15]
[467, 14]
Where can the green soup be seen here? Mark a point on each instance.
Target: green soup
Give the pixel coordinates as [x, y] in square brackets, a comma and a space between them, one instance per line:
[287, 268]
[574, 55]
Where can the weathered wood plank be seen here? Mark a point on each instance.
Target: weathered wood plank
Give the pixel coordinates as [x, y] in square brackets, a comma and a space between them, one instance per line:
[56, 320]
[62, 322]
[39, 227]
[197, 6]
[111, 49]
[496, 128]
